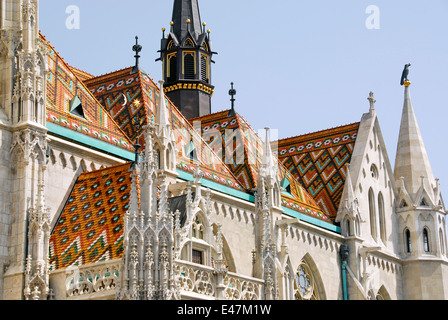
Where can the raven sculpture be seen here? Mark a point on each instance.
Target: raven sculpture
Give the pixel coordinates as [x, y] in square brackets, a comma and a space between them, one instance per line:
[404, 76]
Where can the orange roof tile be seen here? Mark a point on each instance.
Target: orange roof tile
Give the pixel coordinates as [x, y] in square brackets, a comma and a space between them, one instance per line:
[318, 161]
[117, 90]
[90, 228]
[247, 158]
[62, 84]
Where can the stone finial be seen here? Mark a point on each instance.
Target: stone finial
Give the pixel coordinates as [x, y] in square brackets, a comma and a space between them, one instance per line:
[372, 101]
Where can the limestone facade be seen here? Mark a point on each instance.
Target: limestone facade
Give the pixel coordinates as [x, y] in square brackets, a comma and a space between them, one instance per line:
[392, 224]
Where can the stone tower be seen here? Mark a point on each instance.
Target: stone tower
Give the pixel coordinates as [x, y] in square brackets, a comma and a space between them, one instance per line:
[420, 212]
[24, 215]
[186, 54]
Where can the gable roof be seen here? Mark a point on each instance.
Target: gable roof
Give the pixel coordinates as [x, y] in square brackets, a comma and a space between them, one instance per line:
[90, 227]
[246, 158]
[95, 128]
[318, 161]
[82, 75]
[110, 90]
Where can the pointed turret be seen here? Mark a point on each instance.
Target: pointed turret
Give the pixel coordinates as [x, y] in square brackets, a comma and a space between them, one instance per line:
[412, 161]
[165, 141]
[268, 161]
[162, 121]
[183, 11]
[186, 55]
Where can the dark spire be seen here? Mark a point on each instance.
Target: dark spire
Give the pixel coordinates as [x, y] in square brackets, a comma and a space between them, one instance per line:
[137, 49]
[186, 54]
[184, 10]
[232, 93]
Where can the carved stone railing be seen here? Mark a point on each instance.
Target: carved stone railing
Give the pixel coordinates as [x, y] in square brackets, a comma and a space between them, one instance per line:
[202, 282]
[197, 279]
[242, 288]
[95, 281]
[100, 281]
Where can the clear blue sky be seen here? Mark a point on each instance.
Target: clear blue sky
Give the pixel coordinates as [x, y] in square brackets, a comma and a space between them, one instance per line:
[298, 66]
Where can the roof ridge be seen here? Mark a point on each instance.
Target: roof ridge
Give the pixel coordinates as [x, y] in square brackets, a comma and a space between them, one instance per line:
[246, 153]
[89, 93]
[106, 75]
[320, 132]
[208, 146]
[82, 71]
[209, 115]
[87, 174]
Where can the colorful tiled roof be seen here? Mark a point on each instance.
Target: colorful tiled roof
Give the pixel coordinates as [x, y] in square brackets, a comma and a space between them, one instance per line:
[62, 86]
[110, 90]
[90, 228]
[82, 75]
[318, 161]
[116, 91]
[247, 159]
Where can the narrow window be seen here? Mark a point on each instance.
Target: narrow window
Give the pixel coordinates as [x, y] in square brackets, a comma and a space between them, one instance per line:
[172, 68]
[372, 212]
[204, 69]
[382, 217]
[408, 241]
[442, 242]
[189, 66]
[197, 257]
[425, 240]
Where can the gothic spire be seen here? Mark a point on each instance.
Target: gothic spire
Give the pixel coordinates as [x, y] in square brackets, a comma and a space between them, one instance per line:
[162, 119]
[183, 11]
[186, 55]
[412, 161]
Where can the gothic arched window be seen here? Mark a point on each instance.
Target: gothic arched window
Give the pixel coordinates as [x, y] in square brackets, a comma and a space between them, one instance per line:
[189, 43]
[407, 236]
[442, 242]
[304, 284]
[198, 229]
[382, 217]
[372, 213]
[171, 71]
[425, 240]
[189, 65]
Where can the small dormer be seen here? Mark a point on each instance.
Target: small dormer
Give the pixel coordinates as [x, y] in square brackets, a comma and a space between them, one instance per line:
[75, 106]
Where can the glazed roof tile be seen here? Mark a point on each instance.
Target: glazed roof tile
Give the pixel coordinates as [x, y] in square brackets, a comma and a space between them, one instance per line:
[90, 227]
[247, 158]
[82, 75]
[117, 91]
[318, 161]
[62, 86]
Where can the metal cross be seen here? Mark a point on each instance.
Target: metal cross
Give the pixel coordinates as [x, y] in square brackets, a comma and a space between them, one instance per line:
[137, 48]
[232, 93]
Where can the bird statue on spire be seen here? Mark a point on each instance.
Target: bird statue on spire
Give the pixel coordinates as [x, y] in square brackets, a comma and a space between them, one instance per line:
[404, 76]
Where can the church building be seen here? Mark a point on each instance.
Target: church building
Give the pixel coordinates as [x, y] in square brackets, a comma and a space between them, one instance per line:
[123, 187]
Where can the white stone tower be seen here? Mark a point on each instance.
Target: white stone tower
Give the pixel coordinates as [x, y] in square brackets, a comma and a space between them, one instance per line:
[24, 149]
[420, 213]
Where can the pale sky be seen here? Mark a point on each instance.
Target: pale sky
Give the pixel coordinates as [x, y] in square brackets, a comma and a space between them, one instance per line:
[298, 66]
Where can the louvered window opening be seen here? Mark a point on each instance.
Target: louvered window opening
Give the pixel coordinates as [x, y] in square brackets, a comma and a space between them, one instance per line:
[189, 67]
[173, 69]
[204, 72]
